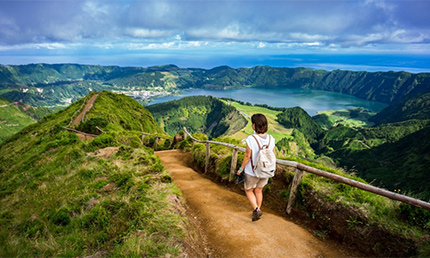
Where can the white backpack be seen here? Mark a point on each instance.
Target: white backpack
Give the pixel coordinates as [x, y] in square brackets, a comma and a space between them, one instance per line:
[265, 164]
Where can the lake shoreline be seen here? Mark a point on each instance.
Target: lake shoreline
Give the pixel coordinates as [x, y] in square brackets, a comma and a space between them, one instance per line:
[312, 101]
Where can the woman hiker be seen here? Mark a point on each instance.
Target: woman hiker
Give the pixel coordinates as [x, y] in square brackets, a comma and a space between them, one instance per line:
[253, 185]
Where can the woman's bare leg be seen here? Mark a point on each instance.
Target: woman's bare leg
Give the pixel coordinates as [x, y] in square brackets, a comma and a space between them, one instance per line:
[251, 197]
[259, 196]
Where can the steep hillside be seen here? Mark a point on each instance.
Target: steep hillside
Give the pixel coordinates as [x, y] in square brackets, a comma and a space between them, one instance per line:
[391, 155]
[198, 114]
[104, 197]
[298, 118]
[60, 84]
[14, 116]
[401, 165]
[413, 107]
[108, 113]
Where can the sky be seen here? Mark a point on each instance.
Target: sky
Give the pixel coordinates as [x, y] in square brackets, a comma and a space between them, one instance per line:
[373, 35]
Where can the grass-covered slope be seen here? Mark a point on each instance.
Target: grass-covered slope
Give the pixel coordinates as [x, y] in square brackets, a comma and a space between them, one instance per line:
[353, 117]
[414, 107]
[116, 113]
[198, 114]
[298, 118]
[63, 197]
[401, 165]
[14, 116]
[390, 155]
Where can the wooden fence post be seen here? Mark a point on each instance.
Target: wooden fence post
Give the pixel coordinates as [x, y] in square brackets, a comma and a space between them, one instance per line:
[293, 192]
[233, 165]
[156, 142]
[208, 155]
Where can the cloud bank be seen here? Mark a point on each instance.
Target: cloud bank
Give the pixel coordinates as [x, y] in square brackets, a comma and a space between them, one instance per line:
[307, 26]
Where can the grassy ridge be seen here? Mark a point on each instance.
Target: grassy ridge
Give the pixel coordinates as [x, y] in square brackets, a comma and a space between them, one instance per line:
[63, 197]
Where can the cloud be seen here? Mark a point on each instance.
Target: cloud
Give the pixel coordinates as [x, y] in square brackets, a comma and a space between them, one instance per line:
[257, 24]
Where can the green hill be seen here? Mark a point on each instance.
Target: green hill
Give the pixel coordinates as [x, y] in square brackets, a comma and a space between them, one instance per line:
[199, 114]
[298, 118]
[14, 116]
[413, 107]
[391, 155]
[401, 165]
[117, 113]
[103, 197]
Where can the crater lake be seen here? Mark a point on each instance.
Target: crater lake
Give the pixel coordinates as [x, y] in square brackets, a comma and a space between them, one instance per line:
[312, 101]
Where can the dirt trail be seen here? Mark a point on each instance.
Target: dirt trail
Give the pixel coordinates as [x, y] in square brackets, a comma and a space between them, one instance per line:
[225, 218]
[87, 107]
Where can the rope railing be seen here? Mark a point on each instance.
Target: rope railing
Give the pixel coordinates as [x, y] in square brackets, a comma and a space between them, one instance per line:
[299, 171]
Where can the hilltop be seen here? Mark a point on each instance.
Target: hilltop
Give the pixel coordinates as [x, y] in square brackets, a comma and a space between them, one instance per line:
[61, 196]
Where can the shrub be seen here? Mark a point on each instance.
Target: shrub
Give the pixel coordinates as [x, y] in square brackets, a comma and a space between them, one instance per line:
[101, 141]
[89, 126]
[415, 216]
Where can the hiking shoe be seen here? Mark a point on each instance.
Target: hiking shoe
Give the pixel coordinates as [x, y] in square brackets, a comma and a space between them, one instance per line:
[256, 214]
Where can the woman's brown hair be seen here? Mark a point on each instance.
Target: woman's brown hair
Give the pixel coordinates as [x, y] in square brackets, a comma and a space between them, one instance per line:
[260, 123]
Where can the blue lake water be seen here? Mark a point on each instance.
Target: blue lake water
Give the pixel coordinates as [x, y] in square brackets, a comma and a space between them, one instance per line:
[310, 100]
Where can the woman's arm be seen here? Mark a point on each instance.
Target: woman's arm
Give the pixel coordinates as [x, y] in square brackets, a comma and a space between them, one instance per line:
[246, 159]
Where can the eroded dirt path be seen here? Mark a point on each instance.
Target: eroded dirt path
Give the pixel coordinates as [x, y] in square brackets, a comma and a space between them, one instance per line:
[225, 218]
[87, 107]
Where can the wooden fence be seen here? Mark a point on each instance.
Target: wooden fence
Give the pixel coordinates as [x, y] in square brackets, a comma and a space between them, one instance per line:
[79, 132]
[157, 138]
[300, 169]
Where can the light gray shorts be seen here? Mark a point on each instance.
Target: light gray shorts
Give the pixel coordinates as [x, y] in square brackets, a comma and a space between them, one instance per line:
[252, 182]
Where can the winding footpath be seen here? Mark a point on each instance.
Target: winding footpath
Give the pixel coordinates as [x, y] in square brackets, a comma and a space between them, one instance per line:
[81, 117]
[225, 218]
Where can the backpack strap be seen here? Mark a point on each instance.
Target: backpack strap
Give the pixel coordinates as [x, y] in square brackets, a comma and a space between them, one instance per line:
[259, 147]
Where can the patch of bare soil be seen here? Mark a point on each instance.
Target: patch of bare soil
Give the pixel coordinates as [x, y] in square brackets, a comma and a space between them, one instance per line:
[87, 107]
[82, 136]
[223, 218]
[105, 152]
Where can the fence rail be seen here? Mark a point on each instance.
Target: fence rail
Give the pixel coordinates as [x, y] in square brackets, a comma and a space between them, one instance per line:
[157, 137]
[76, 131]
[299, 171]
